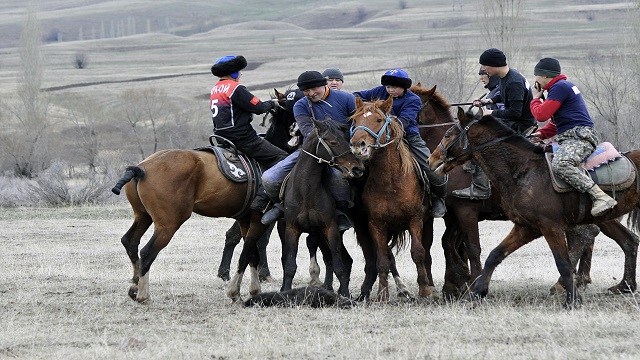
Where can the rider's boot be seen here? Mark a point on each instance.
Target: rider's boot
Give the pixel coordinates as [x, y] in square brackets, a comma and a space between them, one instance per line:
[480, 188]
[274, 214]
[438, 190]
[344, 223]
[601, 201]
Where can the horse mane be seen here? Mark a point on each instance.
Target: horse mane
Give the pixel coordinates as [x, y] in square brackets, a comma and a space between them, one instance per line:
[502, 130]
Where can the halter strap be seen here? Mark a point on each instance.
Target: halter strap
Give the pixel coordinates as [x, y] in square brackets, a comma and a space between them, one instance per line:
[330, 162]
[378, 135]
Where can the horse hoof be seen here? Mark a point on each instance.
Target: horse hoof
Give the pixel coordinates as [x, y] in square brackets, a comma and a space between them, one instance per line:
[405, 294]
[556, 288]
[133, 292]
[316, 283]
[621, 288]
[224, 276]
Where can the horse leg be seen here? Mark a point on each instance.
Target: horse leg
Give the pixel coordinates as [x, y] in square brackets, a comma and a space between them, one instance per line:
[628, 242]
[314, 269]
[517, 237]
[264, 274]
[418, 256]
[401, 287]
[456, 278]
[131, 241]
[557, 242]
[159, 240]
[248, 257]
[379, 236]
[370, 272]
[334, 240]
[580, 239]
[289, 254]
[231, 240]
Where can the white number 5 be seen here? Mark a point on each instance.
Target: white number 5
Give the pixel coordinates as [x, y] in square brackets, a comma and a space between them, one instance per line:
[214, 108]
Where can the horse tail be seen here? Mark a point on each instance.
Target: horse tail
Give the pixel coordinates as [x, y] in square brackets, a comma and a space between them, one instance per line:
[132, 172]
[633, 220]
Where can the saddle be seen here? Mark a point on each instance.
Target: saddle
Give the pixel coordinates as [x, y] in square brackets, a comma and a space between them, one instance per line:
[609, 169]
[235, 166]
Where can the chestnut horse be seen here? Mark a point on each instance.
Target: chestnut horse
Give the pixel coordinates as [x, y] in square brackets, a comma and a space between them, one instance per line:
[308, 204]
[461, 240]
[393, 195]
[518, 168]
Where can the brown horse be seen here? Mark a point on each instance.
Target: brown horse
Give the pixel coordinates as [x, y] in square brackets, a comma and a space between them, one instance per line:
[393, 194]
[461, 240]
[167, 188]
[518, 168]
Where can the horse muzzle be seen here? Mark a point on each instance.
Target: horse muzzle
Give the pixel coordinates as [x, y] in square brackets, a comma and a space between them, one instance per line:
[362, 150]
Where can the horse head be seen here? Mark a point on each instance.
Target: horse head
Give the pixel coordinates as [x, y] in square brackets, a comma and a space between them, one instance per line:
[453, 149]
[328, 143]
[373, 127]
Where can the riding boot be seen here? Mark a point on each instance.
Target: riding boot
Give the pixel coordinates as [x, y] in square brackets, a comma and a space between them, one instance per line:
[344, 223]
[260, 201]
[601, 201]
[480, 189]
[438, 190]
[274, 214]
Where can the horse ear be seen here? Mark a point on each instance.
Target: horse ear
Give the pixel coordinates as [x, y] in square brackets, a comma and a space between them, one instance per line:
[279, 95]
[359, 101]
[462, 116]
[432, 91]
[387, 105]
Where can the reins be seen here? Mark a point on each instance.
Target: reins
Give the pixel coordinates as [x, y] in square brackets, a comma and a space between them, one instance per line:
[320, 160]
[464, 137]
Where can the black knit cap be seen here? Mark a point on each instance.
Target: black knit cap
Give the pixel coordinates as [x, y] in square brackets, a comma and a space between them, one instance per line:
[548, 67]
[228, 65]
[311, 79]
[493, 57]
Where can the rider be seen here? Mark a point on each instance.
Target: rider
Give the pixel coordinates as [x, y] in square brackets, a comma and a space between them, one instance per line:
[334, 77]
[232, 109]
[319, 102]
[406, 106]
[480, 188]
[515, 95]
[571, 122]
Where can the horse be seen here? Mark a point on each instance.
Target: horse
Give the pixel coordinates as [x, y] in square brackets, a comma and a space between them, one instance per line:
[518, 168]
[308, 204]
[461, 240]
[167, 187]
[393, 195]
[281, 119]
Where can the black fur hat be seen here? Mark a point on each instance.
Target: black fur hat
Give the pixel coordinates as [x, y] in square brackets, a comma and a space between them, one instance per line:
[229, 65]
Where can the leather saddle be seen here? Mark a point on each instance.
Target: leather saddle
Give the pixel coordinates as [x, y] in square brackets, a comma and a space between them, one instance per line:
[233, 164]
[608, 168]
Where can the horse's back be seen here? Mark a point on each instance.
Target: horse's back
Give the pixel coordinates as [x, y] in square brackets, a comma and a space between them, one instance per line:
[184, 181]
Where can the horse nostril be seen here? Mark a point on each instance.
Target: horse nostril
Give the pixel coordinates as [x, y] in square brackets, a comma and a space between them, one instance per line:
[357, 172]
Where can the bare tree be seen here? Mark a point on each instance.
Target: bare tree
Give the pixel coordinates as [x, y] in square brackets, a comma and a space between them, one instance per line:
[85, 115]
[144, 111]
[25, 141]
[605, 84]
[503, 26]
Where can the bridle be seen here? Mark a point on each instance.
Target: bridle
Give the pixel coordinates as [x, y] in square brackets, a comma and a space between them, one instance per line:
[463, 138]
[321, 141]
[378, 135]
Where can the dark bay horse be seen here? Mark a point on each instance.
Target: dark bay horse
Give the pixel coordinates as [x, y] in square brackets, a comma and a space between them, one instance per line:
[393, 195]
[518, 168]
[308, 204]
[461, 240]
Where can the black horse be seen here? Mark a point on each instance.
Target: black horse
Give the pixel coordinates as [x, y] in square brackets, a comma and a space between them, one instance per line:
[278, 134]
[308, 205]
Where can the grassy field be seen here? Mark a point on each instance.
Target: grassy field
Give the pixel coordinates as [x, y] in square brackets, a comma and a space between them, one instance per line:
[64, 296]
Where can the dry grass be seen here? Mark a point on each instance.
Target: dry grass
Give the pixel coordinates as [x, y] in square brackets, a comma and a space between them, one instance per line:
[64, 283]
